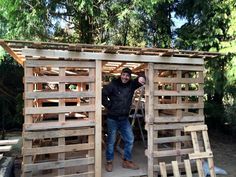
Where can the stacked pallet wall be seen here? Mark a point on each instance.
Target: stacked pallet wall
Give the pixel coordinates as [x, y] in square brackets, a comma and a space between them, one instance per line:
[174, 99]
[60, 129]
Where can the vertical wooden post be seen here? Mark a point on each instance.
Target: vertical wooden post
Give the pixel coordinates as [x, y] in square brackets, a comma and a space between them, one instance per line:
[150, 120]
[98, 120]
[91, 138]
[179, 115]
[61, 141]
[28, 119]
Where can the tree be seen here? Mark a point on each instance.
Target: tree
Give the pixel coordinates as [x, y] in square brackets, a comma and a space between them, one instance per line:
[208, 28]
[11, 88]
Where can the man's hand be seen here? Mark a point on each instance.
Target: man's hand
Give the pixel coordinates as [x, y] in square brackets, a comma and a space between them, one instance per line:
[141, 80]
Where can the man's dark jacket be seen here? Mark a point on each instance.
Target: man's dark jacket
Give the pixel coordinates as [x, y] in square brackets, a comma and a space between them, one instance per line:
[120, 97]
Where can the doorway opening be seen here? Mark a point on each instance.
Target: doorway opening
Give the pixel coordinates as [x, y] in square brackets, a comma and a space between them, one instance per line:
[112, 70]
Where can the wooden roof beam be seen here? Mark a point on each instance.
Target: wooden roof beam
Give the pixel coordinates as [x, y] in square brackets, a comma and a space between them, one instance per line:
[19, 59]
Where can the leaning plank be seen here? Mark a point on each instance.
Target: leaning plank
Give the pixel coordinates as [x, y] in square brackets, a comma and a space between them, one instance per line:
[59, 109]
[197, 150]
[194, 128]
[175, 168]
[188, 169]
[163, 169]
[1, 156]
[8, 142]
[57, 149]
[5, 148]
[58, 125]
[57, 133]
[58, 164]
[40, 95]
[200, 155]
[172, 152]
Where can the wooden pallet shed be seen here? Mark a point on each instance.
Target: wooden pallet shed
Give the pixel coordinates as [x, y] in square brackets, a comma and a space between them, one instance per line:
[63, 102]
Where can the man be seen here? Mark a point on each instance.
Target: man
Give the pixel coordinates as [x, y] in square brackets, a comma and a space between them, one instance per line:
[117, 98]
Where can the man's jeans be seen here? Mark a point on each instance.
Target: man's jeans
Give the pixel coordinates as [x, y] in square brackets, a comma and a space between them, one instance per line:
[125, 129]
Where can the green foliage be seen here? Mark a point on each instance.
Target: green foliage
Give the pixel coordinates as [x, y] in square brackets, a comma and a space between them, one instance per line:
[211, 26]
[11, 88]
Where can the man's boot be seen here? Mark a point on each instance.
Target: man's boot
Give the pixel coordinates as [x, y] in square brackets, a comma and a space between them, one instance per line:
[130, 165]
[109, 166]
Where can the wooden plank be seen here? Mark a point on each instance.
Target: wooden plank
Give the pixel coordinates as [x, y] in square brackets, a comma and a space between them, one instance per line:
[163, 169]
[8, 49]
[174, 126]
[58, 125]
[169, 166]
[86, 174]
[59, 109]
[179, 106]
[168, 153]
[61, 140]
[194, 128]
[1, 156]
[111, 57]
[91, 138]
[58, 133]
[78, 174]
[197, 150]
[59, 63]
[171, 139]
[27, 120]
[188, 169]
[200, 155]
[65, 95]
[57, 149]
[173, 119]
[98, 120]
[58, 164]
[5, 148]
[179, 67]
[175, 168]
[208, 149]
[178, 80]
[149, 117]
[9, 142]
[66, 79]
[179, 115]
[150, 92]
[180, 93]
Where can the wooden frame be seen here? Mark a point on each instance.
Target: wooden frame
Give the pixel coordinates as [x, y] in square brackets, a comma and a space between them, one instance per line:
[166, 109]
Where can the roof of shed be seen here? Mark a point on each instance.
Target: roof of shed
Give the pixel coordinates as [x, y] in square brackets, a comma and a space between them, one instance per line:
[16, 49]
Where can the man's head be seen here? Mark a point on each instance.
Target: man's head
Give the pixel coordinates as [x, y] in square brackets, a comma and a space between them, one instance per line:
[125, 75]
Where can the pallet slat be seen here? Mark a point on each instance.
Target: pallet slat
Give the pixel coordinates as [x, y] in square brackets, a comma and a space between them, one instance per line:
[58, 125]
[58, 164]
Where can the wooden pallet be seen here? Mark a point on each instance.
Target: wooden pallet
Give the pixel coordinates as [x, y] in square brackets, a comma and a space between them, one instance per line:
[199, 155]
[61, 132]
[174, 99]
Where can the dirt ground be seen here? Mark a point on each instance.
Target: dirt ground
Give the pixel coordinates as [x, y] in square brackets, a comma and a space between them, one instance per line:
[223, 146]
[224, 151]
